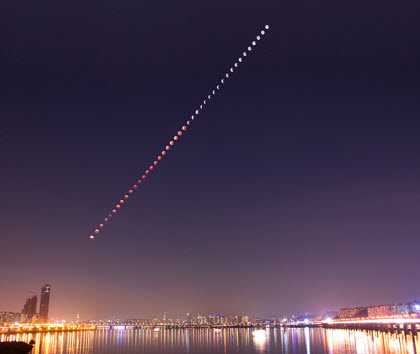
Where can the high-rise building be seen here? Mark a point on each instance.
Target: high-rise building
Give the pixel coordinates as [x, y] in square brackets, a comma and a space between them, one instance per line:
[11, 317]
[44, 303]
[29, 309]
[379, 311]
[406, 308]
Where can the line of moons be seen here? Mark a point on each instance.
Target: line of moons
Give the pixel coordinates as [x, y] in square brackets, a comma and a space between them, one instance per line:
[179, 134]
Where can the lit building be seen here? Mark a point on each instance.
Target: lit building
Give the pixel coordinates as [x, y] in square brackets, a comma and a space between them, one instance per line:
[138, 321]
[245, 320]
[201, 319]
[353, 312]
[406, 308]
[346, 313]
[416, 307]
[29, 309]
[44, 303]
[12, 317]
[379, 311]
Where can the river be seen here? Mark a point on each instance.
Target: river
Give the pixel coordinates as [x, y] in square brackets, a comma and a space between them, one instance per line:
[231, 340]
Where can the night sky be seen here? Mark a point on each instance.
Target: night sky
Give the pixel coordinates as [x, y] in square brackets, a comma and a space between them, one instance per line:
[297, 190]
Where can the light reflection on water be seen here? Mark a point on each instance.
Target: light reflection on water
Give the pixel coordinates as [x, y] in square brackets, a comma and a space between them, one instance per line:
[296, 340]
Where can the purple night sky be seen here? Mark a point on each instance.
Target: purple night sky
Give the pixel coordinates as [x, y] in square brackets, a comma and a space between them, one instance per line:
[297, 190]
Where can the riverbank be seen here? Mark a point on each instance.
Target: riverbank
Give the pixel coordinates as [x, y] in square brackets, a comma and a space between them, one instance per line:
[15, 347]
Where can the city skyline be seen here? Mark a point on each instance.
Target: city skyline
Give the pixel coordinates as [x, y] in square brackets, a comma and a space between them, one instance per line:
[30, 315]
[296, 191]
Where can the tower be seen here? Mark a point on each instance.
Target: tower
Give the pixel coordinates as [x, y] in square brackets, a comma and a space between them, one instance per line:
[29, 309]
[44, 303]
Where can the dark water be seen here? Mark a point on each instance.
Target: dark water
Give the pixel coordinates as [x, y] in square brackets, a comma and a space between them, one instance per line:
[303, 340]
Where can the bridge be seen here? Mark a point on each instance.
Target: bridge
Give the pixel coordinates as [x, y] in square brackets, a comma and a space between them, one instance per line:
[43, 327]
[385, 324]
